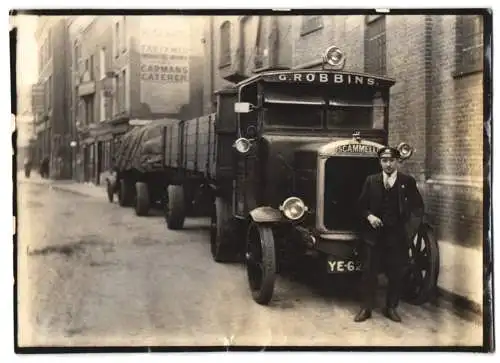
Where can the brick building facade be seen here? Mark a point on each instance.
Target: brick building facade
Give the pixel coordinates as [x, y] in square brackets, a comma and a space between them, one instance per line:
[130, 68]
[52, 127]
[436, 104]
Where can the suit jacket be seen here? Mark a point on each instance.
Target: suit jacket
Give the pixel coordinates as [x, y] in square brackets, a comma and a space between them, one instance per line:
[411, 205]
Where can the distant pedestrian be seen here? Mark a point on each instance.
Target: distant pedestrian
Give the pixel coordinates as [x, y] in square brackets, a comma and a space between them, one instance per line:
[44, 167]
[27, 166]
[391, 206]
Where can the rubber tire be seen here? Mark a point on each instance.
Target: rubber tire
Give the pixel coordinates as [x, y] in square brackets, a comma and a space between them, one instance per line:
[175, 212]
[222, 245]
[264, 293]
[142, 200]
[124, 195]
[109, 191]
[426, 293]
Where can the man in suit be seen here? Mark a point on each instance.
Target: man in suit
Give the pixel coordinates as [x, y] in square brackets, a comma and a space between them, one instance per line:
[392, 209]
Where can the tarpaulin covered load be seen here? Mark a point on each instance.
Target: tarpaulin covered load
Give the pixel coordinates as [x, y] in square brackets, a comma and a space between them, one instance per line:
[141, 148]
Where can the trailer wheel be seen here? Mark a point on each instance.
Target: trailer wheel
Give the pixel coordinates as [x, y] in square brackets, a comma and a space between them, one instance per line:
[222, 247]
[175, 207]
[142, 200]
[125, 193]
[421, 278]
[260, 259]
[109, 191]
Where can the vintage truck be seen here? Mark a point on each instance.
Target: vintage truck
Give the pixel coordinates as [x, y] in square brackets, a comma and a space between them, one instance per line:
[280, 166]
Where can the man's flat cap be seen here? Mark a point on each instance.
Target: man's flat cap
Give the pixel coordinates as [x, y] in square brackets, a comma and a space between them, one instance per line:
[388, 152]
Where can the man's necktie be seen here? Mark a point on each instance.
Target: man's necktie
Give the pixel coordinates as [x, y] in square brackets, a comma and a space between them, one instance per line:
[387, 185]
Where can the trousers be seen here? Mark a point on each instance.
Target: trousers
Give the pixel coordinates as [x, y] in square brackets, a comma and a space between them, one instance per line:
[389, 255]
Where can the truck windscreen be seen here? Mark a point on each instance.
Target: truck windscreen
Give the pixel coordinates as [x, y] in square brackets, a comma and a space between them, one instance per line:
[360, 114]
[289, 110]
[294, 115]
[316, 110]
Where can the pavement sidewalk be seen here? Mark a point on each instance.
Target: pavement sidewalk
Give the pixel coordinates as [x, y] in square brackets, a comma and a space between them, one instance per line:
[461, 268]
[71, 186]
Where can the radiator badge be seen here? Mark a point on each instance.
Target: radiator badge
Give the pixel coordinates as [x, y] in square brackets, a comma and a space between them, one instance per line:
[356, 149]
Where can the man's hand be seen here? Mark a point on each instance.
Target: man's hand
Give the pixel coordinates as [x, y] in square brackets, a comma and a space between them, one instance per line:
[375, 221]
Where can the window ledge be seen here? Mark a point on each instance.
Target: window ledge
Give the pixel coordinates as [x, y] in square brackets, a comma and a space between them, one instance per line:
[310, 64]
[455, 181]
[224, 65]
[460, 74]
[303, 33]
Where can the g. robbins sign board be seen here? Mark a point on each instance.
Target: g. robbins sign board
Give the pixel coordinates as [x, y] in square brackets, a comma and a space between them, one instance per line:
[164, 62]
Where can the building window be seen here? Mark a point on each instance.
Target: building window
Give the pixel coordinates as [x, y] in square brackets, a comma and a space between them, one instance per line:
[102, 107]
[49, 92]
[117, 39]
[89, 110]
[49, 44]
[311, 24]
[116, 95]
[375, 48]
[123, 94]
[225, 44]
[40, 59]
[123, 40]
[92, 67]
[77, 105]
[77, 56]
[469, 43]
[102, 63]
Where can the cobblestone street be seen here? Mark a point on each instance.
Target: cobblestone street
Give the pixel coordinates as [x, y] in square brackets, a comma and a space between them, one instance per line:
[93, 273]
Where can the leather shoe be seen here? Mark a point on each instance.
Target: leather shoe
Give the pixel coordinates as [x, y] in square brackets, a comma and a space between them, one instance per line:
[392, 314]
[363, 315]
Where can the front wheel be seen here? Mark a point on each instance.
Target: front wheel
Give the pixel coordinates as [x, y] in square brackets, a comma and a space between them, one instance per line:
[260, 260]
[421, 278]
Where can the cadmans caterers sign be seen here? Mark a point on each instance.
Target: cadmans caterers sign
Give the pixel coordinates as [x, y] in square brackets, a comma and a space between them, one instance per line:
[330, 78]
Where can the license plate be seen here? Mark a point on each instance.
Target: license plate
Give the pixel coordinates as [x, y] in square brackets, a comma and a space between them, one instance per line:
[336, 266]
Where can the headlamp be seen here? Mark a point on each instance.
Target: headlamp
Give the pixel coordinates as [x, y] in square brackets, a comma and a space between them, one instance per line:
[293, 208]
[405, 150]
[334, 57]
[242, 145]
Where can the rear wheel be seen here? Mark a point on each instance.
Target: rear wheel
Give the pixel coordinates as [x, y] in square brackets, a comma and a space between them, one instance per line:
[421, 279]
[222, 244]
[175, 208]
[260, 259]
[142, 200]
[125, 193]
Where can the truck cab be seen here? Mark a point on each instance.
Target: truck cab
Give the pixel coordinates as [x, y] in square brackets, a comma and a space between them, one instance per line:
[304, 142]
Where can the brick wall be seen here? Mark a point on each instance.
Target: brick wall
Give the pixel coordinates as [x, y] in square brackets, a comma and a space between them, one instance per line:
[454, 188]
[405, 44]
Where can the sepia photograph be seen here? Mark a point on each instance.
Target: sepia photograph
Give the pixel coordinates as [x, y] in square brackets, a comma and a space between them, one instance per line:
[252, 179]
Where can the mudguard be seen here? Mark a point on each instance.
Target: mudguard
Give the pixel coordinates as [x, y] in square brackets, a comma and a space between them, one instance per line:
[266, 214]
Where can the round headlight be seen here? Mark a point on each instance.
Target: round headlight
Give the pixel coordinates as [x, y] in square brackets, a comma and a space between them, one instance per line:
[334, 57]
[405, 150]
[242, 145]
[293, 208]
